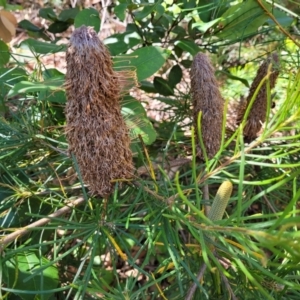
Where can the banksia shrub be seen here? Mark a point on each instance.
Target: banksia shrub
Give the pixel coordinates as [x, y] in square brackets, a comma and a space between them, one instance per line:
[257, 114]
[208, 100]
[96, 132]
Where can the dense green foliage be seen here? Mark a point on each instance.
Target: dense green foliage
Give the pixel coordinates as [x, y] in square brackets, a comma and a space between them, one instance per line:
[151, 239]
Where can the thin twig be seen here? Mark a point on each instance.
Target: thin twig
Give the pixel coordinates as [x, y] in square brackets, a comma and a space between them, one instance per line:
[226, 282]
[277, 23]
[104, 7]
[193, 288]
[268, 202]
[22, 231]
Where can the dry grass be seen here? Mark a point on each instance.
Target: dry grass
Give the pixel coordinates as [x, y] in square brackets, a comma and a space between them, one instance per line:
[96, 131]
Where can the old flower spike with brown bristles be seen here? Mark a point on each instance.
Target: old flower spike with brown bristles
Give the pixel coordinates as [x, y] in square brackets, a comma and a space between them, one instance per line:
[258, 111]
[207, 100]
[96, 132]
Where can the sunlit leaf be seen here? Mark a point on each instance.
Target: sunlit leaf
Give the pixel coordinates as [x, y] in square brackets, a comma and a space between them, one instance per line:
[146, 61]
[21, 266]
[88, 17]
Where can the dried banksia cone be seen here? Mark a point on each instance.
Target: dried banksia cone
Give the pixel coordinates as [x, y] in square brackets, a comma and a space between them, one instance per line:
[257, 114]
[96, 131]
[232, 114]
[208, 100]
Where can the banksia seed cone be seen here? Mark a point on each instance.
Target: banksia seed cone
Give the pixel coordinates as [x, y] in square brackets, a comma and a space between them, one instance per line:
[96, 131]
[208, 100]
[257, 114]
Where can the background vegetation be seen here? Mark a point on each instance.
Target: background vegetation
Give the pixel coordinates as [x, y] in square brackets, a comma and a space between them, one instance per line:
[151, 239]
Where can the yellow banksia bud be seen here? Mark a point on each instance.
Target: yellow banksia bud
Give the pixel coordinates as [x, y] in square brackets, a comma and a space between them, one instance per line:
[208, 100]
[96, 132]
[220, 202]
[257, 114]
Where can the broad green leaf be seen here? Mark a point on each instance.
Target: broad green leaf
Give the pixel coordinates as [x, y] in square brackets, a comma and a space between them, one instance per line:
[159, 11]
[25, 24]
[3, 3]
[42, 47]
[147, 86]
[120, 11]
[121, 42]
[283, 19]
[203, 27]
[146, 11]
[242, 20]
[88, 17]
[48, 14]
[4, 53]
[17, 270]
[53, 96]
[24, 87]
[162, 86]
[175, 76]
[179, 31]
[68, 15]
[137, 121]
[58, 27]
[9, 77]
[146, 61]
[52, 73]
[188, 46]
[186, 63]
[229, 75]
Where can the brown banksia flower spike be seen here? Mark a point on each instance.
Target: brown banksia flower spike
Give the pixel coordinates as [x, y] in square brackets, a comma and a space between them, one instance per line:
[258, 111]
[97, 134]
[207, 100]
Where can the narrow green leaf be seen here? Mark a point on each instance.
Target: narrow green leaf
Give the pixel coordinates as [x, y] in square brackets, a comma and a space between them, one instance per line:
[88, 17]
